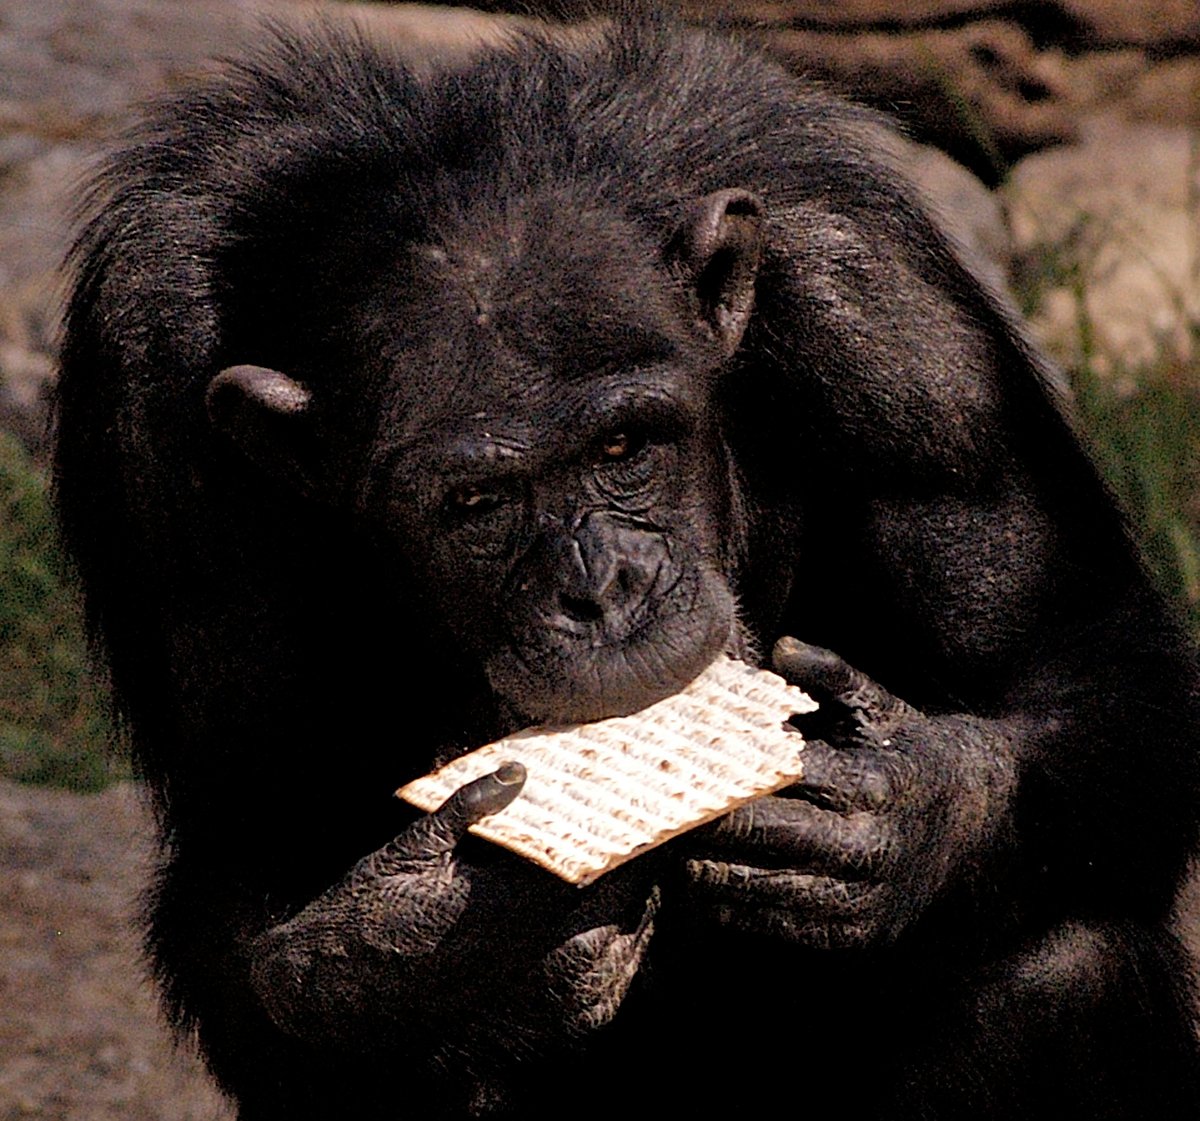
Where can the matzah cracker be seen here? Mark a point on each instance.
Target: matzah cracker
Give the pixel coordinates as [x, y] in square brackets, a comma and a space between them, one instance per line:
[598, 794]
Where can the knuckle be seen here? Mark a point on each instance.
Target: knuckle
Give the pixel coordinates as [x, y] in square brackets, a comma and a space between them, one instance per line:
[876, 784]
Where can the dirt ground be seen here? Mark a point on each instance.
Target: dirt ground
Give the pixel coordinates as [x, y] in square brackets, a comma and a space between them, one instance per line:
[80, 1039]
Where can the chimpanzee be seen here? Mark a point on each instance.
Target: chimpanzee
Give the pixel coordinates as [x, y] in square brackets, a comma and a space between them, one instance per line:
[399, 412]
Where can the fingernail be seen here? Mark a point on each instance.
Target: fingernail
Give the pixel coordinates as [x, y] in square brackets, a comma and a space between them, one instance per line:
[509, 773]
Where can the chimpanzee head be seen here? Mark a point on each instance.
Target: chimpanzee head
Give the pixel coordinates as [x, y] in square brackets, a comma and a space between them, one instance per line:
[543, 446]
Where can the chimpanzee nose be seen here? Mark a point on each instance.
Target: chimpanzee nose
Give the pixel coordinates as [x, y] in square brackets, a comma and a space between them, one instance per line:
[610, 567]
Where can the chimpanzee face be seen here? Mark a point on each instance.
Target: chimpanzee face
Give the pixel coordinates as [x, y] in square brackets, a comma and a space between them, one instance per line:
[549, 461]
[546, 453]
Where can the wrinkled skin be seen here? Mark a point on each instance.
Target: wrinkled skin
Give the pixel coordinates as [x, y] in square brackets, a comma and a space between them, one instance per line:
[399, 413]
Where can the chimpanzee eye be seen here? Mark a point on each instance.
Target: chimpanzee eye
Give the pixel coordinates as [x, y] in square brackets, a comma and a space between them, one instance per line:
[469, 499]
[617, 446]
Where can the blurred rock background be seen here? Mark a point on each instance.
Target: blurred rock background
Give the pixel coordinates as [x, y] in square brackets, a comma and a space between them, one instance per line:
[1059, 139]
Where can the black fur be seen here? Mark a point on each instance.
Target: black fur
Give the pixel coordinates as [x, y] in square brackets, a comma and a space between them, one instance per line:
[880, 467]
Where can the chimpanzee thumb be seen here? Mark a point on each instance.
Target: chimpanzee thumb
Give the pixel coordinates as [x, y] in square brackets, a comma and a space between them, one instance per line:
[437, 833]
[833, 683]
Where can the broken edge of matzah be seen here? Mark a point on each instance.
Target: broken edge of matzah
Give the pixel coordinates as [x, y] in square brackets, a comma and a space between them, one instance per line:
[599, 794]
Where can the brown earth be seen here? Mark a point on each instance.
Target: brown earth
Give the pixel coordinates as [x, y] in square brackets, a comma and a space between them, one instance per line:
[986, 80]
[80, 1039]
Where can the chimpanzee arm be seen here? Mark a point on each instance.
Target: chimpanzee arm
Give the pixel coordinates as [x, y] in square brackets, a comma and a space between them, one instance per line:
[1106, 1032]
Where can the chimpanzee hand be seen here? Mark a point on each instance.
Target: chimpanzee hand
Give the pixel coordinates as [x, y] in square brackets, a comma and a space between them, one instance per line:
[893, 806]
[421, 949]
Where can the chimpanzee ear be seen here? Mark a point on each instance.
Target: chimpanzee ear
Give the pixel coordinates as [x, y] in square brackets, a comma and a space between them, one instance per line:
[717, 249]
[267, 415]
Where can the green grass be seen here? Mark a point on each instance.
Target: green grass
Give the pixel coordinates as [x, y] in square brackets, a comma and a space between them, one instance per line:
[1145, 429]
[1143, 422]
[53, 725]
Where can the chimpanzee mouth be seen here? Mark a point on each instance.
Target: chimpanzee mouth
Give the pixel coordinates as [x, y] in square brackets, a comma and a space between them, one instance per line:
[575, 686]
[558, 676]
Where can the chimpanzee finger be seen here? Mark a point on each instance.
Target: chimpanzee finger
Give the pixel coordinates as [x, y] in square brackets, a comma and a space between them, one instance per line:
[437, 833]
[847, 781]
[818, 671]
[835, 686]
[793, 836]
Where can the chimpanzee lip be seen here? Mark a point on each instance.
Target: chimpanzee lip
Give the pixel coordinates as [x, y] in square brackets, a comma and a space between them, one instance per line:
[571, 692]
[565, 677]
